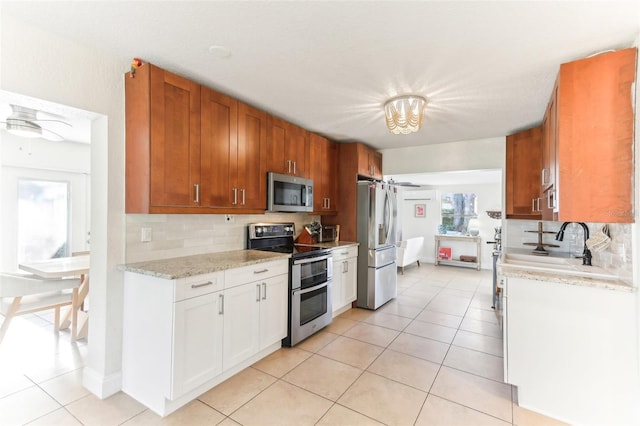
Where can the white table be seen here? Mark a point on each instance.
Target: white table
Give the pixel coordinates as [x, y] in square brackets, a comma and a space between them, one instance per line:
[460, 238]
[67, 267]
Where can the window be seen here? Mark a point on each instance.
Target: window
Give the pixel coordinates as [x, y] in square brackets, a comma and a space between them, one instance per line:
[43, 219]
[457, 210]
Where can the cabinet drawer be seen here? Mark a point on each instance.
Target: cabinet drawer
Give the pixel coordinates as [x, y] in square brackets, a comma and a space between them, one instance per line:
[344, 252]
[259, 271]
[198, 285]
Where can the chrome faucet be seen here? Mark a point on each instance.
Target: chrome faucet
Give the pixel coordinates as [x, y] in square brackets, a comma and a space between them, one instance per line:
[586, 253]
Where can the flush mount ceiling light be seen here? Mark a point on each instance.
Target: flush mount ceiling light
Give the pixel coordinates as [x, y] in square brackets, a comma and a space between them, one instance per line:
[404, 113]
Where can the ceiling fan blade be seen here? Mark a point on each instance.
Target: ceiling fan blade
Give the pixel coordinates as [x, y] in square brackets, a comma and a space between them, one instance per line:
[50, 135]
[55, 121]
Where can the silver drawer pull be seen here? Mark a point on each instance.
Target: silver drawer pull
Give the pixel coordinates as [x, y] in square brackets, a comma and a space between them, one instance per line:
[261, 271]
[201, 284]
[221, 304]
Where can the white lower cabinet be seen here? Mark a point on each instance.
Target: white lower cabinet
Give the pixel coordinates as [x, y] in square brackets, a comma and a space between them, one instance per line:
[570, 350]
[182, 337]
[255, 316]
[198, 332]
[345, 278]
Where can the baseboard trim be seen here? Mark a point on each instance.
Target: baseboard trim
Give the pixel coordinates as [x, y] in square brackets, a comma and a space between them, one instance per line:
[100, 385]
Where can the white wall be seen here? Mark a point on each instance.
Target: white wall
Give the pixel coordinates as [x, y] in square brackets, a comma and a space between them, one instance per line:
[476, 154]
[42, 65]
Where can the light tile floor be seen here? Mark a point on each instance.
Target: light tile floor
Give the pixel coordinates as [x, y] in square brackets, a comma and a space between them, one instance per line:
[432, 356]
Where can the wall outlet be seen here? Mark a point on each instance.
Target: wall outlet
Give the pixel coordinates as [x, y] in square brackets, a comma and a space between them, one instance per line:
[229, 218]
[145, 235]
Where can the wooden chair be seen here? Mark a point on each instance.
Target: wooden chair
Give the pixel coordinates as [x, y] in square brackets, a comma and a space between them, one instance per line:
[23, 294]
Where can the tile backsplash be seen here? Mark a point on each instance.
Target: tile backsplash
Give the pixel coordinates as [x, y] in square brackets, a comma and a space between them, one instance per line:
[175, 235]
[616, 258]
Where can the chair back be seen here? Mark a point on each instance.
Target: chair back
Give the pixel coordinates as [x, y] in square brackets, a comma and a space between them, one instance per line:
[13, 285]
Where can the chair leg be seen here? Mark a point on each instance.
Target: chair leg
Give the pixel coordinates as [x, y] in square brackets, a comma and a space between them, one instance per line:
[402, 270]
[10, 314]
[56, 319]
[418, 262]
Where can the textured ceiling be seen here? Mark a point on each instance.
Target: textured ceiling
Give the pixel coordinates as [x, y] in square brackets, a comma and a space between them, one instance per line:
[487, 68]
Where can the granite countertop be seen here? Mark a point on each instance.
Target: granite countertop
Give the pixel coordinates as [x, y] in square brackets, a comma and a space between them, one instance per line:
[560, 276]
[187, 266]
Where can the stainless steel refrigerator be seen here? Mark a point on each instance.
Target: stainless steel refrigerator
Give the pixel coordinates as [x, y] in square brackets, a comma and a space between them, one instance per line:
[376, 230]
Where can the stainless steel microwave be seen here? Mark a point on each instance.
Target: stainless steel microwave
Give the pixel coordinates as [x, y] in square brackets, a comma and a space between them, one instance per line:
[289, 193]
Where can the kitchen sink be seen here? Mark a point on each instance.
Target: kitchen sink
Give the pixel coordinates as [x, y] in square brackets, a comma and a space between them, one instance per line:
[554, 265]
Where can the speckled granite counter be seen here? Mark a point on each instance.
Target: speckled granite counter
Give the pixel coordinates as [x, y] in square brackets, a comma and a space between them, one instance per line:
[561, 277]
[180, 267]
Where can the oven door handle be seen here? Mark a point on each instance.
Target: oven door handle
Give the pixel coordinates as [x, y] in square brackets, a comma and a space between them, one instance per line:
[314, 288]
[312, 259]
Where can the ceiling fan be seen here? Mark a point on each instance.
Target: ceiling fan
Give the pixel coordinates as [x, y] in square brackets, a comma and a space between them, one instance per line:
[24, 122]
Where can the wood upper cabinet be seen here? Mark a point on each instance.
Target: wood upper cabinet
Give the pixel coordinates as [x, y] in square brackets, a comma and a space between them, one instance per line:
[323, 168]
[350, 169]
[233, 169]
[549, 164]
[191, 149]
[369, 162]
[163, 140]
[595, 138]
[523, 166]
[287, 148]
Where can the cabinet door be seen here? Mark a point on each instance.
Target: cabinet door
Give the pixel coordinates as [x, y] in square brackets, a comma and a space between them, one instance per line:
[369, 162]
[595, 138]
[252, 142]
[241, 323]
[175, 140]
[274, 305]
[523, 166]
[375, 162]
[287, 148]
[219, 149]
[197, 342]
[323, 170]
[350, 280]
[549, 164]
[336, 285]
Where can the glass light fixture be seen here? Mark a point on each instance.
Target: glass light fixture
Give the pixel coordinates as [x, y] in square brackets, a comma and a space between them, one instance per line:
[404, 113]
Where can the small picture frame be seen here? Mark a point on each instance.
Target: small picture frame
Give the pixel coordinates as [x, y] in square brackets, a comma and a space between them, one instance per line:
[420, 210]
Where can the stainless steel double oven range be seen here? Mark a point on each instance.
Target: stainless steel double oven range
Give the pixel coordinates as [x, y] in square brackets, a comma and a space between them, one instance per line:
[310, 278]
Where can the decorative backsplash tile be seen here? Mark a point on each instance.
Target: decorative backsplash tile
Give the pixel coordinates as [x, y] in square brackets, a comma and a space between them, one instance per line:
[175, 235]
[615, 259]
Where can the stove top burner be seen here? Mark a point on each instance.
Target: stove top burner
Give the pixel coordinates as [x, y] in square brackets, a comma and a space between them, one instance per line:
[278, 237]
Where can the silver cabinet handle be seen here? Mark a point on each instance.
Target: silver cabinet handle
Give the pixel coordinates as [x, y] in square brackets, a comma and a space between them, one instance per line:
[538, 205]
[544, 176]
[288, 166]
[221, 304]
[261, 271]
[201, 284]
[235, 196]
[533, 204]
[294, 168]
[264, 291]
[345, 267]
[257, 292]
[243, 196]
[328, 203]
[196, 186]
[554, 202]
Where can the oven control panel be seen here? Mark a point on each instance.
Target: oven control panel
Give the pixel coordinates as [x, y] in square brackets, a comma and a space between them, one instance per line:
[271, 230]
